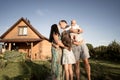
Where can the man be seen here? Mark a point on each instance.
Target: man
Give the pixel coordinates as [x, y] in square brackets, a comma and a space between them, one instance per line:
[80, 50]
[68, 57]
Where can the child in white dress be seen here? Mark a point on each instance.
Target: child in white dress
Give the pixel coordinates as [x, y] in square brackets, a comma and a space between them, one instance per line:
[68, 56]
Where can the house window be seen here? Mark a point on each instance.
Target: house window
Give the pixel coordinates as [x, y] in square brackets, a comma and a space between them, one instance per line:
[22, 30]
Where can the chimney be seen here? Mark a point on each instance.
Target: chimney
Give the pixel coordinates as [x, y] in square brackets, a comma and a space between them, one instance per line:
[28, 20]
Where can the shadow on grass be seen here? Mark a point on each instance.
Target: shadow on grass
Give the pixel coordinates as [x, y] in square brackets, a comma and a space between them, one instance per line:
[4, 77]
[39, 70]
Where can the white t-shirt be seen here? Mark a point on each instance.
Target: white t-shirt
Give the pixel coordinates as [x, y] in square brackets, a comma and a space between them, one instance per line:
[61, 30]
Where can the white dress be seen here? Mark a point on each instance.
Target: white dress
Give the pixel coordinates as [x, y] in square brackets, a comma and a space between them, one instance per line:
[68, 57]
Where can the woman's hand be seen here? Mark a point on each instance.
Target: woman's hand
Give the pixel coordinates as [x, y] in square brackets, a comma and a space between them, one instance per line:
[55, 45]
[57, 40]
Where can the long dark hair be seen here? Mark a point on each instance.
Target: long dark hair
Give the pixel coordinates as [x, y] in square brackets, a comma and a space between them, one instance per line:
[54, 30]
[66, 39]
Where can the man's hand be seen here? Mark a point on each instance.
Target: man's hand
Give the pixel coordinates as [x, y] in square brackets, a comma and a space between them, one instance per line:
[76, 43]
[78, 31]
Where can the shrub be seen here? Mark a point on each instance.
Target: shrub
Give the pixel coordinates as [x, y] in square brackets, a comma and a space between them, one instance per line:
[14, 56]
[3, 63]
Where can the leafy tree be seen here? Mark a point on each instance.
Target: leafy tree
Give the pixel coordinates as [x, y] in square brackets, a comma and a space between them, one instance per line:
[113, 50]
[101, 52]
[91, 49]
[110, 52]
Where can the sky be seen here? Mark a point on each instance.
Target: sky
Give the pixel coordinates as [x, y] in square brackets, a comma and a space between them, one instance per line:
[100, 19]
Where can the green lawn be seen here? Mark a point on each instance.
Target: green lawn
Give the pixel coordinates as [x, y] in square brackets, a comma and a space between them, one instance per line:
[40, 70]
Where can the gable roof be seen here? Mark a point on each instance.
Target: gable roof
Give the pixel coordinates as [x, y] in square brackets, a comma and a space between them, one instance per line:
[27, 23]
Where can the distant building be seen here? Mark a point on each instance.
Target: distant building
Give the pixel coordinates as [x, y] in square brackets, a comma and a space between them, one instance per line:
[23, 37]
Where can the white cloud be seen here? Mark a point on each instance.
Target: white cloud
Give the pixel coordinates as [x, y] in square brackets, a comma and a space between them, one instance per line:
[43, 12]
[40, 12]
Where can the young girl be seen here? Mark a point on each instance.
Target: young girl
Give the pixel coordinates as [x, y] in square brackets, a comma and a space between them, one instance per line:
[68, 56]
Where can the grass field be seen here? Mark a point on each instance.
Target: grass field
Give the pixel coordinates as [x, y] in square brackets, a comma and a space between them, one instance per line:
[40, 70]
[103, 70]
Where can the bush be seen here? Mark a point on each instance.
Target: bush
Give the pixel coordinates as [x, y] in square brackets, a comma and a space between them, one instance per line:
[14, 56]
[3, 63]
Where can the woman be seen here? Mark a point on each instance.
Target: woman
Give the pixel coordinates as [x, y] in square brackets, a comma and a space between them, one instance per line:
[55, 39]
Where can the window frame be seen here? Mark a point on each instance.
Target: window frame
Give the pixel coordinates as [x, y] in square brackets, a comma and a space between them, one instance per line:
[22, 30]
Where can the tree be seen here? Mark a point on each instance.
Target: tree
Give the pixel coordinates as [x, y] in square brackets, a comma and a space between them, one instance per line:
[113, 50]
[91, 49]
[100, 52]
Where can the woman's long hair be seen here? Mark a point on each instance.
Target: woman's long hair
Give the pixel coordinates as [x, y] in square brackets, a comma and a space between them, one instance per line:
[54, 30]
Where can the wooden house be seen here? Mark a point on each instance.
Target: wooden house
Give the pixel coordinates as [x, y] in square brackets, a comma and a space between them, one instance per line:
[23, 37]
